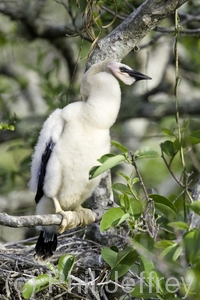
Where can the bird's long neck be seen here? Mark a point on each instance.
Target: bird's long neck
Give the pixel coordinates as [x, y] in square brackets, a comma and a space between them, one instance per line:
[103, 104]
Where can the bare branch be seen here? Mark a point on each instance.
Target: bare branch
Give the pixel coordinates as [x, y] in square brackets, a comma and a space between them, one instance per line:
[194, 32]
[30, 221]
[187, 18]
[129, 33]
[72, 219]
[156, 110]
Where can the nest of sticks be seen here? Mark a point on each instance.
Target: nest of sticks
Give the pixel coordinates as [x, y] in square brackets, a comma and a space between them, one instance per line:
[89, 276]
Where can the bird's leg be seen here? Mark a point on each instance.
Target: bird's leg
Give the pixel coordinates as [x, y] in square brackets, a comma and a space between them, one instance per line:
[57, 205]
[71, 219]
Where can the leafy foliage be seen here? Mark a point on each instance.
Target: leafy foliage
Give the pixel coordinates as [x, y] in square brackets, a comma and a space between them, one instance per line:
[7, 127]
[161, 241]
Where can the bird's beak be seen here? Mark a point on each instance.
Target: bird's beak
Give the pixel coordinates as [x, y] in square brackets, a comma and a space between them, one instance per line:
[135, 74]
[126, 74]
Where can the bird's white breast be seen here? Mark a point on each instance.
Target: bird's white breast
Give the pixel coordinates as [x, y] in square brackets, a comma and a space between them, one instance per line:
[75, 153]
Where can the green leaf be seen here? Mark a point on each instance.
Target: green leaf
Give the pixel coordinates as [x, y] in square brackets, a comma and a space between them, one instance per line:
[179, 225]
[146, 152]
[177, 298]
[168, 253]
[109, 256]
[168, 148]
[191, 141]
[123, 175]
[143, 292]
[37, 284]
[177, 253]
[168, 132]
[135, 207]
[124, 201]
[122, 219]
[51, 267]
[92, 171]
[147, 265]
[163, 244]
[166, 211]
[120, 187]
[187, 141]
[105, 157]
[150, 274]
[134, 180]
[191, 242]
[195, 206]
[108, 164]
[119, 146]
[196, 134]
[7, 127]
[65, 266]
[120, 262]
[111, 218]
[166, 207]
[124, 260]
[143, 243]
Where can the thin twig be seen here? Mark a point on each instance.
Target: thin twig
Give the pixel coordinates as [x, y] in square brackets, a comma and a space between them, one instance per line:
[191, 32]
[170, 169]
[152, 228]
[177, 82]
[140, 177]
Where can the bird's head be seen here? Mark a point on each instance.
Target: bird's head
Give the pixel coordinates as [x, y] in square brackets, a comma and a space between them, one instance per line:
[100, 89]
[118, 70]
[125, 73]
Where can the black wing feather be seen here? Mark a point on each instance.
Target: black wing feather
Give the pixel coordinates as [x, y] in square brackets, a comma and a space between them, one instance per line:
[44, 160]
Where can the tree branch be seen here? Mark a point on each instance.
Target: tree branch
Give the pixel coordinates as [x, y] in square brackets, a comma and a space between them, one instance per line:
[133, 29]
[72, 219]
[191, 32]
[156, 110]
[32, 27]
[29, 221]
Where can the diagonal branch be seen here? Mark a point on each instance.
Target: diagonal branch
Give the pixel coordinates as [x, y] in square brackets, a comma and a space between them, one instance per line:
[133, 29]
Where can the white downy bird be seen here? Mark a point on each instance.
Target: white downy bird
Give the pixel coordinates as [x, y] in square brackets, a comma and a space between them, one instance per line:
[70, 142]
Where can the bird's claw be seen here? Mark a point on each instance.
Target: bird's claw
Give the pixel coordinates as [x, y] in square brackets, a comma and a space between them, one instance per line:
[71, 219]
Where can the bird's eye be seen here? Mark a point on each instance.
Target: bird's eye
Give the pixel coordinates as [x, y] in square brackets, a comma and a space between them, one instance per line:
[124, 70]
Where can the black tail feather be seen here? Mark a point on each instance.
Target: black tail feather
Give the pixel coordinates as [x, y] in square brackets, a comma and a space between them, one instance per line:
[46, 246]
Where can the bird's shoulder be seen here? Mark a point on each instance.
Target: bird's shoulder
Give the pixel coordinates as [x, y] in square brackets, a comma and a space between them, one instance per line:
[72, 111]
[52, 127]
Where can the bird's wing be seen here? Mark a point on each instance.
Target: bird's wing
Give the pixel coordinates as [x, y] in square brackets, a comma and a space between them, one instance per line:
[49, 135]
[42, 170]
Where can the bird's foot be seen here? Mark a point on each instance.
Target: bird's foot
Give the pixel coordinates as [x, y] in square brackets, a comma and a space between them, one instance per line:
[71, 219]
[85, 215]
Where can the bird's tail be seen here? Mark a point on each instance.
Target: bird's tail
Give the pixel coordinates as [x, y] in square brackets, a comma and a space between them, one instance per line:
[46, 246]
